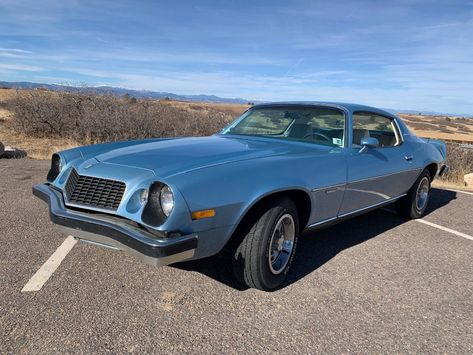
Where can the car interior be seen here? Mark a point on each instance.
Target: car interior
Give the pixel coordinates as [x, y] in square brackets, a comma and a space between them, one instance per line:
[382, 128]
[318, 126]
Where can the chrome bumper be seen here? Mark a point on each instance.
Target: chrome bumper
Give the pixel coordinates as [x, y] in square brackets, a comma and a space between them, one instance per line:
[115, 233]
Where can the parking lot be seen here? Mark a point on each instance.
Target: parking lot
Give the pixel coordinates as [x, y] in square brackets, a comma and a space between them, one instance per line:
[377, 283]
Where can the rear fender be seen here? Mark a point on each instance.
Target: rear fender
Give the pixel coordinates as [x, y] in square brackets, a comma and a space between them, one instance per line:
[438, 144]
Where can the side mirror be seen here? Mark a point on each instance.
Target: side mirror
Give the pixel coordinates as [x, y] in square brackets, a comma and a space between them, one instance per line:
[368, 142]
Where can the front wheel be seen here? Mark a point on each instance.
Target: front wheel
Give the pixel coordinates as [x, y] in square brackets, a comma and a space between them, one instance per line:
[414, 204]
[264, 255]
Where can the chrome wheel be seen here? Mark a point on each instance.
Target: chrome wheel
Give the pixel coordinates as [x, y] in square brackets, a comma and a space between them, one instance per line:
[281, 244]
[422, 193]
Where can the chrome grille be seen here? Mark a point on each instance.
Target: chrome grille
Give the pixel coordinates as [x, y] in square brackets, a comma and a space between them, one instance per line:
[93, 191]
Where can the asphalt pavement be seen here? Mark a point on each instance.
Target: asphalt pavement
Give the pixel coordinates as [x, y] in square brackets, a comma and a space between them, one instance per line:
[374, 284]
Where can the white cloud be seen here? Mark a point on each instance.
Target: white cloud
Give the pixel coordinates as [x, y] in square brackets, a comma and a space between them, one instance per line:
[14, 53]
[19, 67]
[15, 50]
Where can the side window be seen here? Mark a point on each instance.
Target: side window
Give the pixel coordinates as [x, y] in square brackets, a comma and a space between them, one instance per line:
[327, 128]
[367, 124]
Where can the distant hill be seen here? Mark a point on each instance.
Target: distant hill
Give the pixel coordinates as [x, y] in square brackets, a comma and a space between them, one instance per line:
[145, 94]
[427, 113]
[142, 94]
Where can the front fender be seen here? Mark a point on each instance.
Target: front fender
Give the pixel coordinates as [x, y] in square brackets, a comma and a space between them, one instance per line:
[233, 189]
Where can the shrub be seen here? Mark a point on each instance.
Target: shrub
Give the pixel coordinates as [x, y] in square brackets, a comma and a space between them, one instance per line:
[89, 118]
[460, 161]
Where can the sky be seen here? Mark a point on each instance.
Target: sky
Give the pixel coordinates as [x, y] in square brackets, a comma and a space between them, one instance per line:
[401, 54]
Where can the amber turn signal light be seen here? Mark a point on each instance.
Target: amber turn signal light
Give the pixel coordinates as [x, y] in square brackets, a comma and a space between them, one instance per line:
[203, 214]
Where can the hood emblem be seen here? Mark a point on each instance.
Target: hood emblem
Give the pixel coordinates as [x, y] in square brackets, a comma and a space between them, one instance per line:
[89, 163]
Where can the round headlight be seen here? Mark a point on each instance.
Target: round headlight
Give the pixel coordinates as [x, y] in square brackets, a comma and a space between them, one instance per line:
[166, 198]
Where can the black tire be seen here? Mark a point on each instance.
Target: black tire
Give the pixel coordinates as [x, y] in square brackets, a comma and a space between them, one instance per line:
[14, 154]
[408, 206]
[2, 149]
[251, 254]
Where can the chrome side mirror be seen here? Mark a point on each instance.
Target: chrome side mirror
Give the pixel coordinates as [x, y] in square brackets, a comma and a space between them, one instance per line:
[367, 143]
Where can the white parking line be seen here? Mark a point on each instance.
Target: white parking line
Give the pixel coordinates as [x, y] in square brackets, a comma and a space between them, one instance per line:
[48, 268]
[460, 234]
[445, 229]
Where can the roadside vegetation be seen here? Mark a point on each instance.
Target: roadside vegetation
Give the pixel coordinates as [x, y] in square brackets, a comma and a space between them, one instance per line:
[460, 161]
[43, 122]
[87, 118]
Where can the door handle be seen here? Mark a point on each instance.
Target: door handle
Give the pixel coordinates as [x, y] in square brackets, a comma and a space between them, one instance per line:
[408, 157]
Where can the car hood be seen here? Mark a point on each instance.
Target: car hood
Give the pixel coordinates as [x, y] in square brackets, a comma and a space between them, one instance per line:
[180, 155]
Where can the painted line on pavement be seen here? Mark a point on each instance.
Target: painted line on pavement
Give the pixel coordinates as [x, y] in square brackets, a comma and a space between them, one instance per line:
[47, 269]
[438, 226]
[460, 234]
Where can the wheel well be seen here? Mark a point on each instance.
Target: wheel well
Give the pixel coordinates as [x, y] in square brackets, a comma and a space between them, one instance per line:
[300, 198]
[432, 169]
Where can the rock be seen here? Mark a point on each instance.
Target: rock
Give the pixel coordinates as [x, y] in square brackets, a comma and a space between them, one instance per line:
[468, 179]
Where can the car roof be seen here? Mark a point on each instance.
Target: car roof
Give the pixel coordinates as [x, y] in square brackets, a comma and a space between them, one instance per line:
[340, 105]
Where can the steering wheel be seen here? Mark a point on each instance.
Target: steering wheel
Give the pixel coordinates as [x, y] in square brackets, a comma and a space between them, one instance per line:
[328, 139]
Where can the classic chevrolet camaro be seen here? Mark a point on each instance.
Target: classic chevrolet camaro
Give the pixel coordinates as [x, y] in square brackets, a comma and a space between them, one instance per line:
[249, 191]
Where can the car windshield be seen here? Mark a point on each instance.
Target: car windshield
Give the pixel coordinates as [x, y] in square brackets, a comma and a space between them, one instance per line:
[314, 124]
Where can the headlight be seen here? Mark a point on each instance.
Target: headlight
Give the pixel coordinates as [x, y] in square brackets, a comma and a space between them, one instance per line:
[159, 205]
[56, 167]
[166, 199]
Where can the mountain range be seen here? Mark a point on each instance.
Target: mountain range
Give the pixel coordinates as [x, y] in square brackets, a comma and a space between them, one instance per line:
[146, 94]
[140, 94]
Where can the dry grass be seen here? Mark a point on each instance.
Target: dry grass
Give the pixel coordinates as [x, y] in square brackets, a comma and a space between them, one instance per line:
[440, 127]
[88, 118]
[37, 148]
[42, 122]
[460, 162]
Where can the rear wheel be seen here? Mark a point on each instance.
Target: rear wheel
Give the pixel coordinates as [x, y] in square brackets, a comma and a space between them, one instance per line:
[414, 204]
[265, 253]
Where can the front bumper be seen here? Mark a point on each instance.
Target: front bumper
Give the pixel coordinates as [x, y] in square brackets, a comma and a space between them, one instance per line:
[116, 233]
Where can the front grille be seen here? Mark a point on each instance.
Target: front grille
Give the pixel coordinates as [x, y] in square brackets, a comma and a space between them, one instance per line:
[93, 191]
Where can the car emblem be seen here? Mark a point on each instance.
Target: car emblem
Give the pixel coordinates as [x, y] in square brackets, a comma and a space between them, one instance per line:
[89, 163]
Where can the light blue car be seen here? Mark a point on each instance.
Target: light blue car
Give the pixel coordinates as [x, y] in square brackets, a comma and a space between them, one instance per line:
[249, 191]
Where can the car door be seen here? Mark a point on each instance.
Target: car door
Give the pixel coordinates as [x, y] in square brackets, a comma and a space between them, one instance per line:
[376, 175]
[325, 167]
